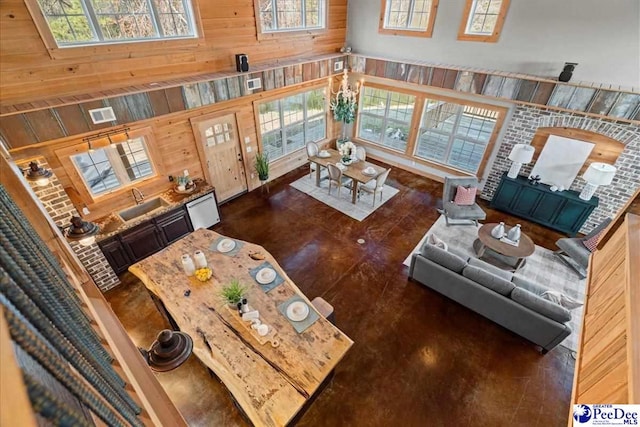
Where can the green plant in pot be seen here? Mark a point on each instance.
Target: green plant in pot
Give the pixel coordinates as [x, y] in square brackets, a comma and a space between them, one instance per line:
[261, 165]
[233, 292]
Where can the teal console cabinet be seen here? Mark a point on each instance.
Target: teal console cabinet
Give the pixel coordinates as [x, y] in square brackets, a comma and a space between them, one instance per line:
[562, 211]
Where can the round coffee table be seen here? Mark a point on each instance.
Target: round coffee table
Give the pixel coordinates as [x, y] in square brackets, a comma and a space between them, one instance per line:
[513, 253]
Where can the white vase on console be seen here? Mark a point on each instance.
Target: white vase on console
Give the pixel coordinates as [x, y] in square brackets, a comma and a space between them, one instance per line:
[498, 231]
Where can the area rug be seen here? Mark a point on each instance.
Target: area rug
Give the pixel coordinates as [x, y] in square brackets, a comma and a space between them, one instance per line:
[342, 203]
[542, 267]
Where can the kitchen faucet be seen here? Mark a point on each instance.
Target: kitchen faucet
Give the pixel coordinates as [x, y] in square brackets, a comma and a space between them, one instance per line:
[139, 200]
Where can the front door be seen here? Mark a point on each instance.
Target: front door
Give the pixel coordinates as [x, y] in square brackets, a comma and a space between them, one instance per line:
[220, 153]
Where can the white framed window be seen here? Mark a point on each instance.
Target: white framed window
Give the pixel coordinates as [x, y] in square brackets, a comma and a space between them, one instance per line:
[75, 23]
[482, 20]
[455, 135]
[115, 166]
[384, 117]
[408, 17]
[291, 15]
[287, 124]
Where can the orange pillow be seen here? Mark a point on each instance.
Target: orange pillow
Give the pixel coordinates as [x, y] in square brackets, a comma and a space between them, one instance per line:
[465, 196]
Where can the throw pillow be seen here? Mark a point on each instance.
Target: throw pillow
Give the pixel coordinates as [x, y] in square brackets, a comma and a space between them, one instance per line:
[436, 241]
[443, 258]
[561, 299]
[465, 196]
[488, 280]
[592, 241]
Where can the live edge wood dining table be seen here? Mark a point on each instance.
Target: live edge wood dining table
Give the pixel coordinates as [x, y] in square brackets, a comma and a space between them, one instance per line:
[353, 171]
[270, 382]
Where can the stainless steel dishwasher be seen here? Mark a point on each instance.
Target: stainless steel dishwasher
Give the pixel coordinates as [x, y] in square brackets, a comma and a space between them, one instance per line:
[203, 211]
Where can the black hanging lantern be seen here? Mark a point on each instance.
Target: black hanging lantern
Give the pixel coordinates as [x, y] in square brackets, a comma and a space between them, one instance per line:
[38, 175]
[82, 231]
[567, 71]
[170, 350]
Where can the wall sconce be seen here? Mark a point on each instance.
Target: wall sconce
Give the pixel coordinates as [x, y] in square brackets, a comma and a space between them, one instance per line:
[520, 153]
[170, 350]
[38, 175]
[83, 232]
[596, 174]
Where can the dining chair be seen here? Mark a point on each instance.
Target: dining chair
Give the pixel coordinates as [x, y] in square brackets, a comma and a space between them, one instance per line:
[376, 186]
[335, 177]
[361, 154]
[312, 150]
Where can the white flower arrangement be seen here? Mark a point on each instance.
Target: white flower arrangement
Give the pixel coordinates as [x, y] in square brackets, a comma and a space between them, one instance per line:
[347, 150]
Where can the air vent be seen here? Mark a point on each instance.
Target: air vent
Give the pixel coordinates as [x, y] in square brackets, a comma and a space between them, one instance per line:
[338, 66]
[254, 83]
[101, 115]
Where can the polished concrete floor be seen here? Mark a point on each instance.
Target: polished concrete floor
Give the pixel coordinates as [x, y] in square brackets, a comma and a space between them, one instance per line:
[419, 359]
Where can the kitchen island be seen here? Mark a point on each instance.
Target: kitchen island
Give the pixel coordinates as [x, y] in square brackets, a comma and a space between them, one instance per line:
[272, 377]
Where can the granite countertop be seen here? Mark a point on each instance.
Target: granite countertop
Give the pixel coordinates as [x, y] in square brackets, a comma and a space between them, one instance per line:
[112, 224]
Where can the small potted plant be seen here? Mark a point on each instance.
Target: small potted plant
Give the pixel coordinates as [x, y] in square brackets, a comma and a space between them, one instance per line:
[261, 165]
[233, 292]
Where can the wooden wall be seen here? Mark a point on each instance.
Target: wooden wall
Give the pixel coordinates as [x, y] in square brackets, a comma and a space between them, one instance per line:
[175, 145]
[608, 364]
[28, 73]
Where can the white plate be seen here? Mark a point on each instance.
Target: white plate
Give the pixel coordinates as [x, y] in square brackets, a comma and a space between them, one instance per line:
[226, 245]
[324, 154]
[340, 166]
[370, 172]
[265, 276]
[297, 311]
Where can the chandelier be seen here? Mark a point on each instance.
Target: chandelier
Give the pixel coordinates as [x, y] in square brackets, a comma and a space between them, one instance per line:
[345, 100]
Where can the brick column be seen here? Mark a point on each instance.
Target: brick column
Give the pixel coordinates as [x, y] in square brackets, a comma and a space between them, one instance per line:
[59, 206]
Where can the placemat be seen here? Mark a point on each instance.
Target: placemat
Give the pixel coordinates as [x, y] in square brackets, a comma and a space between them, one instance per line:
[276, 282]
[233, 252]
[304, 324]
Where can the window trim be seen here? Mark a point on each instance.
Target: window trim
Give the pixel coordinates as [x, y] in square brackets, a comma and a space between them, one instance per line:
[412, 124]
[428, 32]
[491, 38]
[262, 35]
[77, 181]
[308, 88]
[412, 140]
[114, 49]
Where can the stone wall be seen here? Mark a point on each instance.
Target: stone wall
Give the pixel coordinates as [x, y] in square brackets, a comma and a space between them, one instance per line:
[521, 130]
[59, 206]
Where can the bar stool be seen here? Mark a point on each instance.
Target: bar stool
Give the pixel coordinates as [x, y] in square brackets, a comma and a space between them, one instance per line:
[324, 308]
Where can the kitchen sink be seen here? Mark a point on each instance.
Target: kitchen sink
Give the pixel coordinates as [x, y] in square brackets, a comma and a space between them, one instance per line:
[142, 209]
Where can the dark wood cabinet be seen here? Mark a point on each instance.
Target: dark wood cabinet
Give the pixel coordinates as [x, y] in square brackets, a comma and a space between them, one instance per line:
[142, 241]
[174, 225]
[145, 239]
[115, 254]
[563, 211]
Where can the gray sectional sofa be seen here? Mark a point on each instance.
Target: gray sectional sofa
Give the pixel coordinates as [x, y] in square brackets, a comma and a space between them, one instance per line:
[511, 301]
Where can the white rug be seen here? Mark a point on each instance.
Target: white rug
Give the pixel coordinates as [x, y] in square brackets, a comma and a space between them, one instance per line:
[543, 267]
[342, 203]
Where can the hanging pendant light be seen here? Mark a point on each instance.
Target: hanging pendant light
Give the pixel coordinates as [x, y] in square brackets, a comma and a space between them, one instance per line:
[170, 350]
[38, 175]
[81, 231]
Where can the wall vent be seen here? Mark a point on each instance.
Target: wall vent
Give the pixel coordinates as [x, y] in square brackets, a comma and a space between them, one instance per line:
[254, 83]
[338, 66]
[101, 115]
